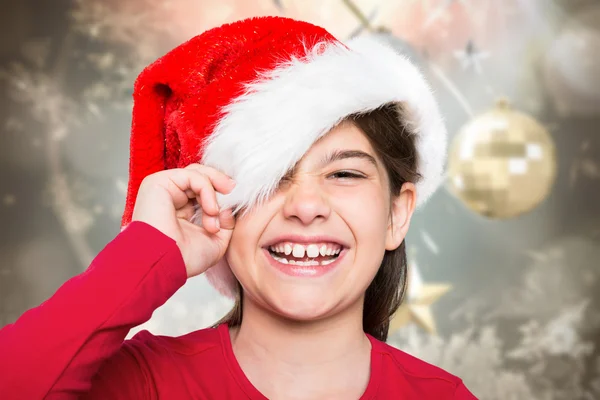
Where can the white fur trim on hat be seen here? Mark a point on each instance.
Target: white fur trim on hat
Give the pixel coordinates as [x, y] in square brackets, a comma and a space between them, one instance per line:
[268, 129]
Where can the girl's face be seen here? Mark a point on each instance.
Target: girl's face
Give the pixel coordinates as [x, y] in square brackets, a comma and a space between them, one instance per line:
[314, 247]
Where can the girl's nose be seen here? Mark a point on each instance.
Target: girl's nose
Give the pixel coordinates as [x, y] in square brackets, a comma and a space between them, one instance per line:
[306, 202]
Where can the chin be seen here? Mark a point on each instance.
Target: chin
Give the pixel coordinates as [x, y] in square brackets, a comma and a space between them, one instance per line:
[302, 303]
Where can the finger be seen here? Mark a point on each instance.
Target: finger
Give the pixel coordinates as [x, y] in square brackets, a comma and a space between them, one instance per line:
[207, 199]
[184, 180]
[226, 219]
[210, 223]
[176, 187]
[177, 196]
[206, 196]
[220, 181]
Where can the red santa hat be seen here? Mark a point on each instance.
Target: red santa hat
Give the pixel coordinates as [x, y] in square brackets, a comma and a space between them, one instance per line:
[250, 98]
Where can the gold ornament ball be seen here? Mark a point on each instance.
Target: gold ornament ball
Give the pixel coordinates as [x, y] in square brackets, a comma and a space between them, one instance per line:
[502, 163]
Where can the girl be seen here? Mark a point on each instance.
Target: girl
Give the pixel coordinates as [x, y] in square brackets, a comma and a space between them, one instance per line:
[331, 147]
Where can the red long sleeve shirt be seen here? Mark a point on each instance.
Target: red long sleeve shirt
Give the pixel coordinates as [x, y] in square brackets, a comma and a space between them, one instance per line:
[72, 346]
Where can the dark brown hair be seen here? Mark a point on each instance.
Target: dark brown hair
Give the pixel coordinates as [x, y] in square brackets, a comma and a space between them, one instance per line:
[395, 146]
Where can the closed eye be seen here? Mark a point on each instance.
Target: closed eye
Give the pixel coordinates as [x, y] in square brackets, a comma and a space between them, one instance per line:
[346, 175]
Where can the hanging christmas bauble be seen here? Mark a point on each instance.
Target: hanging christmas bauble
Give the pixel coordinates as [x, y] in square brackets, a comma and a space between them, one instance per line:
[502, 163]
[572, 65]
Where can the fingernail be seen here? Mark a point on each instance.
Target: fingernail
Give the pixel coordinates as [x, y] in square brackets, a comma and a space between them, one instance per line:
[217, 223]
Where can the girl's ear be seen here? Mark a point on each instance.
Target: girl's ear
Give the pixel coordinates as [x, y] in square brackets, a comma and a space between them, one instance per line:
[401, 211]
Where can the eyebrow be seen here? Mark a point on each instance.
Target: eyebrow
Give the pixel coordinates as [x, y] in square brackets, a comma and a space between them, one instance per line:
[337, 155]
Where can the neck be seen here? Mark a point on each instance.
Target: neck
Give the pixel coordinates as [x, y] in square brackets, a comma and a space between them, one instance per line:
[312, 359]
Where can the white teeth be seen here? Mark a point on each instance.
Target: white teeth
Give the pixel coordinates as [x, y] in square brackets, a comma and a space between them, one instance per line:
[312, 250]
[323, 250]
[284, 260]
[308, 263]
[298, 251]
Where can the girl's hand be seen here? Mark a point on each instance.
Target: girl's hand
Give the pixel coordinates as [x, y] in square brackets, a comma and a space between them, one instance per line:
[166, 201]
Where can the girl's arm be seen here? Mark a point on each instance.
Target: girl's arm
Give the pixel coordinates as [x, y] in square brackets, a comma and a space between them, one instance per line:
[54, 350]
[462, 393]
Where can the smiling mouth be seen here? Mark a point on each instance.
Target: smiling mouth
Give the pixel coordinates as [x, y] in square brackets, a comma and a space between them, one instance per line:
[304, 260]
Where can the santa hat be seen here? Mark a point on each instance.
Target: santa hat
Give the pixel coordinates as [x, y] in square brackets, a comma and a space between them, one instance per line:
[250, 98]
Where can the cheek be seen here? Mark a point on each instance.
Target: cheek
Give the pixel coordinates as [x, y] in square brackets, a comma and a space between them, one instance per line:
[240, 248]
[243, 250]
[367, 217]
[366, 211]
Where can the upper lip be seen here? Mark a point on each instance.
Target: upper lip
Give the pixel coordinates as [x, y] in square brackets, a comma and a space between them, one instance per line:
[301, 239]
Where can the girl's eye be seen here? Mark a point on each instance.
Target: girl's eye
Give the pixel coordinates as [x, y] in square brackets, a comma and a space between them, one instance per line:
[346, 175]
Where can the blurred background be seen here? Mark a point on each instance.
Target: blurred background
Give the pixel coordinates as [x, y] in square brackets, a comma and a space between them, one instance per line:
[505, 259]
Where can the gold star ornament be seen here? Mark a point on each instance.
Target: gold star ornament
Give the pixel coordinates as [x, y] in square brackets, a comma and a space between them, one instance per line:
[416, 307]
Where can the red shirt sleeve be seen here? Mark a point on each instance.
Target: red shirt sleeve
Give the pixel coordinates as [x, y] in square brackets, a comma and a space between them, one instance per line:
[462, 393]
[54, 350]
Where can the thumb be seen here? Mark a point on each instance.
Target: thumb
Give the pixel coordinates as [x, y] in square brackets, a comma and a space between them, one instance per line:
[226, 219]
